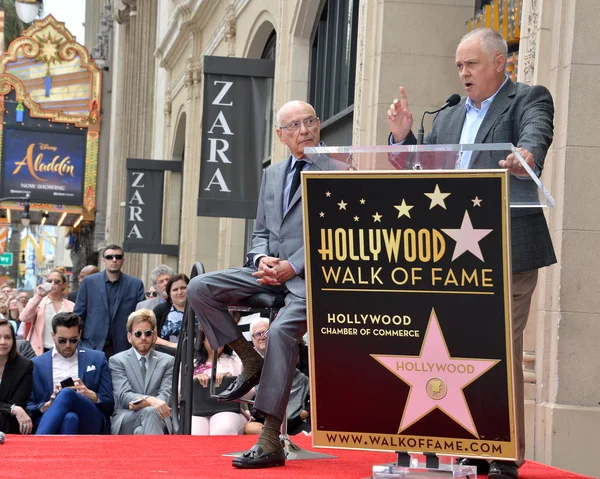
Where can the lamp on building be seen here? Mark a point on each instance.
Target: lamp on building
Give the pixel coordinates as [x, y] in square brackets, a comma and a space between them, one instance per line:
[27, 10]
[45, 215]
[25, 218]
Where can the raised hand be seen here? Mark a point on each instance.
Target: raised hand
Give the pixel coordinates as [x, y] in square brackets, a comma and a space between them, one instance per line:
[399, 117]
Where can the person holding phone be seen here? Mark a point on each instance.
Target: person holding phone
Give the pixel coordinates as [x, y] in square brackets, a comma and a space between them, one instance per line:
[142, 381]
[47, 301]
[72, 388]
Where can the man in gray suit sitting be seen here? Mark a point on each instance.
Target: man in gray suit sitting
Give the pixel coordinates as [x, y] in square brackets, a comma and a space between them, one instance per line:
[275, 264]
[496, 110]
[142, 381]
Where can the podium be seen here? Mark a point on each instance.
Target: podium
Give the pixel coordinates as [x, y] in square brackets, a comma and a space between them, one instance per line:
[408, 271]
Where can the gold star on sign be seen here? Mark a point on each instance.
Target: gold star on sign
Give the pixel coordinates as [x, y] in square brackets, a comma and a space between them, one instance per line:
[362, 201]
[403, 209]
[322, 214]
[437, 197]
[377, 218]
[476, 201]
[356, 218]
[328, 194]
[342, 205]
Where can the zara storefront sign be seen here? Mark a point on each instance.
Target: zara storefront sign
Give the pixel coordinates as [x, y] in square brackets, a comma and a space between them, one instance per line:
[233, 135]
[144, 206]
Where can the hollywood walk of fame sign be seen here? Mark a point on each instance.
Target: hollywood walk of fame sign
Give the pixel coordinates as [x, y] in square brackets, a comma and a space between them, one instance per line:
[408, 282]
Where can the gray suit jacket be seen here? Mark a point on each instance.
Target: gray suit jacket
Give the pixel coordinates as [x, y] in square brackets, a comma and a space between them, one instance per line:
[128, 384]
[280, 235]
[148, 304]
[522, 115]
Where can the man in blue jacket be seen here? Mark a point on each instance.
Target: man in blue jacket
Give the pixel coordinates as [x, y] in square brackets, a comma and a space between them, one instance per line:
[72, 388]
[105, 301]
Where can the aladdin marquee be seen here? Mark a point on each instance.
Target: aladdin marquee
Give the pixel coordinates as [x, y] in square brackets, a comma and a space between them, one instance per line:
[50, 91]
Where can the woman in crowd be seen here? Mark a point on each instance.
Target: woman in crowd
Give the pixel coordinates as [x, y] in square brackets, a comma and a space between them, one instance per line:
[47, 301]
[206, 421]
[14, 313]
[169, 315]
[16, 382]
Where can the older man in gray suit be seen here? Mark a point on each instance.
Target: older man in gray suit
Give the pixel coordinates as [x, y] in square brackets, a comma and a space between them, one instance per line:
[275, 264]
[142, 381]
[496, 110]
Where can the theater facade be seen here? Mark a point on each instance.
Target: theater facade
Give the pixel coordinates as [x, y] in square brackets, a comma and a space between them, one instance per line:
[348, 57]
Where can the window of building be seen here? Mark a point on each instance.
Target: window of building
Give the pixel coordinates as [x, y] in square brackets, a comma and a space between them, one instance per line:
[333, 69]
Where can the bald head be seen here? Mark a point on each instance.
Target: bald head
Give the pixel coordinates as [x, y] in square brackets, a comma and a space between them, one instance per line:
[293, 106]
[87, 270]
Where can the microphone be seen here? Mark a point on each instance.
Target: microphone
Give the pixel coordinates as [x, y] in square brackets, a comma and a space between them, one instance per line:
[452, 100]
[2, 436]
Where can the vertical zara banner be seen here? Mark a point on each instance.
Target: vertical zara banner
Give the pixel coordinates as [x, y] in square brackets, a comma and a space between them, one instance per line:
[144, 206]
[234, 123]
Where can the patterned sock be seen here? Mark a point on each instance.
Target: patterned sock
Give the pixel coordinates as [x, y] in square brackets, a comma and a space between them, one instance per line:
[269, 437]
[252, 361]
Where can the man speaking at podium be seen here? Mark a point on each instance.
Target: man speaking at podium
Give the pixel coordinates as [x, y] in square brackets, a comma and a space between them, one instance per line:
[496, 110]
[275, 265]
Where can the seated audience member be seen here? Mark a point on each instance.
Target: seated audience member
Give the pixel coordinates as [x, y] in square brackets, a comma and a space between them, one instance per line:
[297, 408]
[72, 388]
[16, 381]
[40, 310]
[224, 423]
[24, 348]
[142, 380]
[169, 315]
[160, 277]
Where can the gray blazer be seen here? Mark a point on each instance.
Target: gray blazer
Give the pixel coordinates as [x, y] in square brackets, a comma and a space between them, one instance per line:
[127, 382]
[148, 304]
[522, 115]
[278, 235]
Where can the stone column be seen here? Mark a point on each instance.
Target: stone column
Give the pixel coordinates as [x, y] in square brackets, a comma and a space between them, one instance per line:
[133, 109]
[564, 40]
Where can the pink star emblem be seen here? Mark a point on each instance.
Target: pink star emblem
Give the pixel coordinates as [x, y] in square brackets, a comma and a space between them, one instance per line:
[467, 238]
[436, 379]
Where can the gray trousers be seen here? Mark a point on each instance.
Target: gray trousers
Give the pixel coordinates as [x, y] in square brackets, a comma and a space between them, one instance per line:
[145, 421]
[523, 285]
[209, 295]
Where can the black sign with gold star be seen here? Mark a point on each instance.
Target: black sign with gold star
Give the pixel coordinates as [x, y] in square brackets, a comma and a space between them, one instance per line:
[408, 279]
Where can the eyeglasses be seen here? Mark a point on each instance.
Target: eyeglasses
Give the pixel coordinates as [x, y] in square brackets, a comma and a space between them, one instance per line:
[151, 294]
[55, 281]
[258, 334]
[110, 257]
[147, 333]
[295, 125]
[70, 340]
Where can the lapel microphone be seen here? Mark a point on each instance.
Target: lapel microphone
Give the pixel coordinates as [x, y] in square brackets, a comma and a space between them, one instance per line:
[452, 100]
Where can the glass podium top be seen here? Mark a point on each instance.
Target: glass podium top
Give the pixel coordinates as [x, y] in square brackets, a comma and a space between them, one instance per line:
[525, 191]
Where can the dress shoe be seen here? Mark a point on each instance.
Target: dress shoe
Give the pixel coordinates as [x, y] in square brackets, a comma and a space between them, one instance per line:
[255, 458]
[482, 465]
[503, 470]
[238, 388]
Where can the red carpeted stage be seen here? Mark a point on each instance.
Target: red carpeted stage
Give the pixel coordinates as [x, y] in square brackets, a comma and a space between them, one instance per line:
[183, 457]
